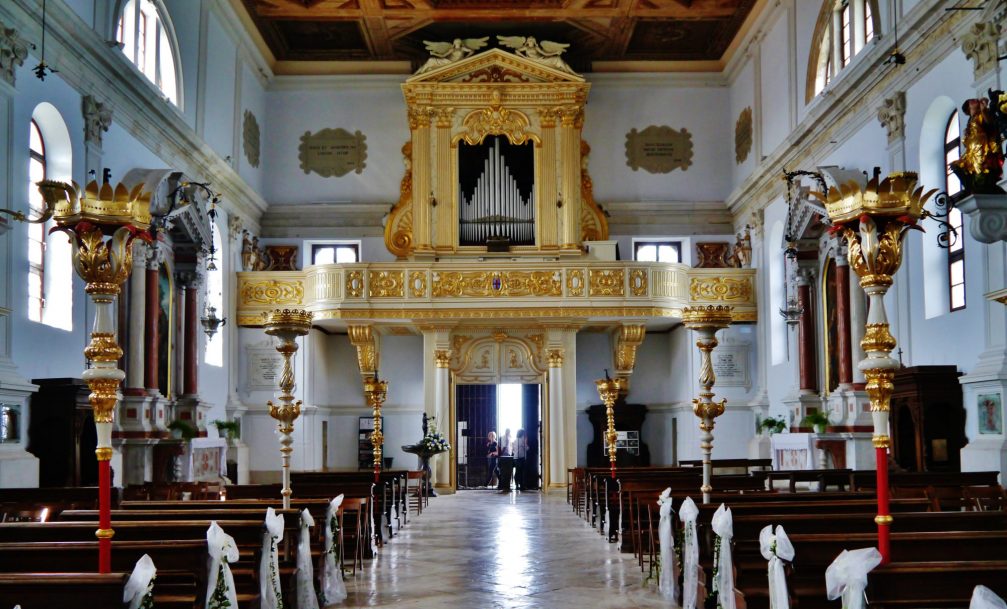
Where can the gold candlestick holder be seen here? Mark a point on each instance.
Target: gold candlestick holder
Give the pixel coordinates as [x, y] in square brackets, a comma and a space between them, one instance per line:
[705, 321]
[376, 391]
[286, 325]
[101, 222]
[874, 219]
[608, 391]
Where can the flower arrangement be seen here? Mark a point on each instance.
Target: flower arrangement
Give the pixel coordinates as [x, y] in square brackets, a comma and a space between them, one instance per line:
[434, 441]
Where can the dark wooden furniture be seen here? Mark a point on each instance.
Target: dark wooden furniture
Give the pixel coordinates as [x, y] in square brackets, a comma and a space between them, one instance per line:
[61, 433]
[927, 419]
[628, 418]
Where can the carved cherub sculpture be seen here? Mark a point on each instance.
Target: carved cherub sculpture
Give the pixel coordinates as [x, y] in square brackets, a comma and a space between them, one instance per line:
[444, 53]
[546, 52]
[981, 164]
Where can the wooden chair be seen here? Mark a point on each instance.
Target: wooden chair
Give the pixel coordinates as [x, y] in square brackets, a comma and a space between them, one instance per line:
[415, 491]
[356, 532]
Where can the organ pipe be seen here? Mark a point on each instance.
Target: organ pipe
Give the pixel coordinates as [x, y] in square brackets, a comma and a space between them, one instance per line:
[496, 208]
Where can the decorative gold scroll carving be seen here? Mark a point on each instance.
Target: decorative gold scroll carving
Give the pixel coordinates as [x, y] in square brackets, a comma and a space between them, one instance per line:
[606, 282]
[593, 223]
[627, 339]
[272, 292]
[496, 120]
[638, 282]
[460, 284]
[495, 74]
[575, 282]
[417, 284]
[385, 284]
[354, 284]
[720, 288]
[399, 227]
[363, 338]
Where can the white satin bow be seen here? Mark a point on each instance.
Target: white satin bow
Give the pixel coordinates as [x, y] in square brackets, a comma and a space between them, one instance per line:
[333, 588]
[723, 582]
[984, 598]
[776, 548]
[139, 583]
[304, 582]
[222, 550]
[269, 563]
[666, 535]
[847, 576]
[687, 513]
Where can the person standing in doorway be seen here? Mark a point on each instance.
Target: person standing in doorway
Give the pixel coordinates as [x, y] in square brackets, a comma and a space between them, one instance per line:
[505, 444]
[505, 461]
[492, 451]
[520, 455]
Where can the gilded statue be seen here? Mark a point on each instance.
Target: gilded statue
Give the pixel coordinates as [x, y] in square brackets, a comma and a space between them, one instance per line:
[444, 53]
[741, 257]
[981, 164]
[246, 252]
[544, 52]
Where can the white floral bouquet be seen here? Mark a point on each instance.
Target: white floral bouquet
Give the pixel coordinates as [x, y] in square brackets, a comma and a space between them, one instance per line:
[434, 441]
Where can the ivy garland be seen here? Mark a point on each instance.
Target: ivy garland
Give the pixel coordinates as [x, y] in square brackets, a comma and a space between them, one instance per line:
[714, 594]
[336, 551]
[148, 597]
[274, 578]
[218, 600]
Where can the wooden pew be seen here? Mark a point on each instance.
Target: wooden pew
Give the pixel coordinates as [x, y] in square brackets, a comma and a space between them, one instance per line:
[62, 590]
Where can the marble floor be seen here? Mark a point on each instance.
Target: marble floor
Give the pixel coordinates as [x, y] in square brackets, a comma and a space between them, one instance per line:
[482, 550]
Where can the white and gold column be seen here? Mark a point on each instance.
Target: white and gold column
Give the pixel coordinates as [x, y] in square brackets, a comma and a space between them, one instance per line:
[442, 409]
[419, 123]
[571, 119]
[557, 463]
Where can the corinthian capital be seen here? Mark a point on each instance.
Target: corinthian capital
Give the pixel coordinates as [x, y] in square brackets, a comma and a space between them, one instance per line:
[13, 52]
[892, 115]
[980, 44]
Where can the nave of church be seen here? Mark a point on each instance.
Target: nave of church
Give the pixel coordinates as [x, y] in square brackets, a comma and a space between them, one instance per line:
[687, 302]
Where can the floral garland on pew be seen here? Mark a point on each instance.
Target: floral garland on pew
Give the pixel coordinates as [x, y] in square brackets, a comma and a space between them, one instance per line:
[714, 593]
[219, 598]
[336, 550]
[148, 597]
[274, 577]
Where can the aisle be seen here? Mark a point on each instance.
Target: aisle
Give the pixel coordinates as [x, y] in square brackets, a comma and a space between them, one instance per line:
[482, 550]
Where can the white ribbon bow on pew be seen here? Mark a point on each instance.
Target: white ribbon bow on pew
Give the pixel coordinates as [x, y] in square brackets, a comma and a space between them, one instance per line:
[333, 588]
[269, 563]
[222, 550]
[847, 576]
[666, 535]
[723, 579]
[984, 598]
[140, 583]
[304, 582]
[688, 513]
[776, 548]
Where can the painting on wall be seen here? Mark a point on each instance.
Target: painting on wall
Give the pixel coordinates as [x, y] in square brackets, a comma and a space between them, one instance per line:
[990, 413]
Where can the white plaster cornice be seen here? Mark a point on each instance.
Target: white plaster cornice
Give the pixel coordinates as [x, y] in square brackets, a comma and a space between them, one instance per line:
[90, 66]
[657, 79]
[339, 220]
[329, 82]
[673, 217]
[928, 34]
[248, 48]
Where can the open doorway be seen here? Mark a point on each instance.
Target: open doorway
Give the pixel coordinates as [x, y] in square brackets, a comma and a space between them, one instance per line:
[481, 409]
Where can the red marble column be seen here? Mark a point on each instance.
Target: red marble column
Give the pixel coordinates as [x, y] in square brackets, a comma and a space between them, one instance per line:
[843, 328]
[150, 345]
[806, 339]
[191, 341]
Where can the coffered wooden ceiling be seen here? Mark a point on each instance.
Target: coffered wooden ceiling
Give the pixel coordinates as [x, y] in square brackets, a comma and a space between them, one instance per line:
[597, 30]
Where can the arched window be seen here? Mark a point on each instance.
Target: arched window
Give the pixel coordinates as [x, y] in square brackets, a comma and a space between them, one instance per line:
[844, 28]
[36, 232]
[214, 298]
[956, 251]
[50, 270]
[149, 42]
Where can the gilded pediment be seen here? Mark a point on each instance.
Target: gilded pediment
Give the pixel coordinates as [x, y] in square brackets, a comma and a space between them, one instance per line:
[496, 66]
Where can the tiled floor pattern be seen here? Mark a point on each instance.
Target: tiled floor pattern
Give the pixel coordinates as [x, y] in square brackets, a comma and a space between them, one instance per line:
[484, 550]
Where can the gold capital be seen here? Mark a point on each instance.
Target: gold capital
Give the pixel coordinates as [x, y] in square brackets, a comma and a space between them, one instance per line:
[555, 358]
[442, 358]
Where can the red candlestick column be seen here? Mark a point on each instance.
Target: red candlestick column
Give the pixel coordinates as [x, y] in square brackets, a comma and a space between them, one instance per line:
[884, 517]
[191, 340]
[806, 339]
[843, 326]
[104, 516]
[151, 347]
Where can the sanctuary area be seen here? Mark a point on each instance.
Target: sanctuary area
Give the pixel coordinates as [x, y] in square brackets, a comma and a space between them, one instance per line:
[503, 304]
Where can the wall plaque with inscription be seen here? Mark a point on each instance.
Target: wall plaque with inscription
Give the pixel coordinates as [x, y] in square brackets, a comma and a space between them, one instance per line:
[333, 152]
[264, 366]
[730, 364]
[659, 149]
